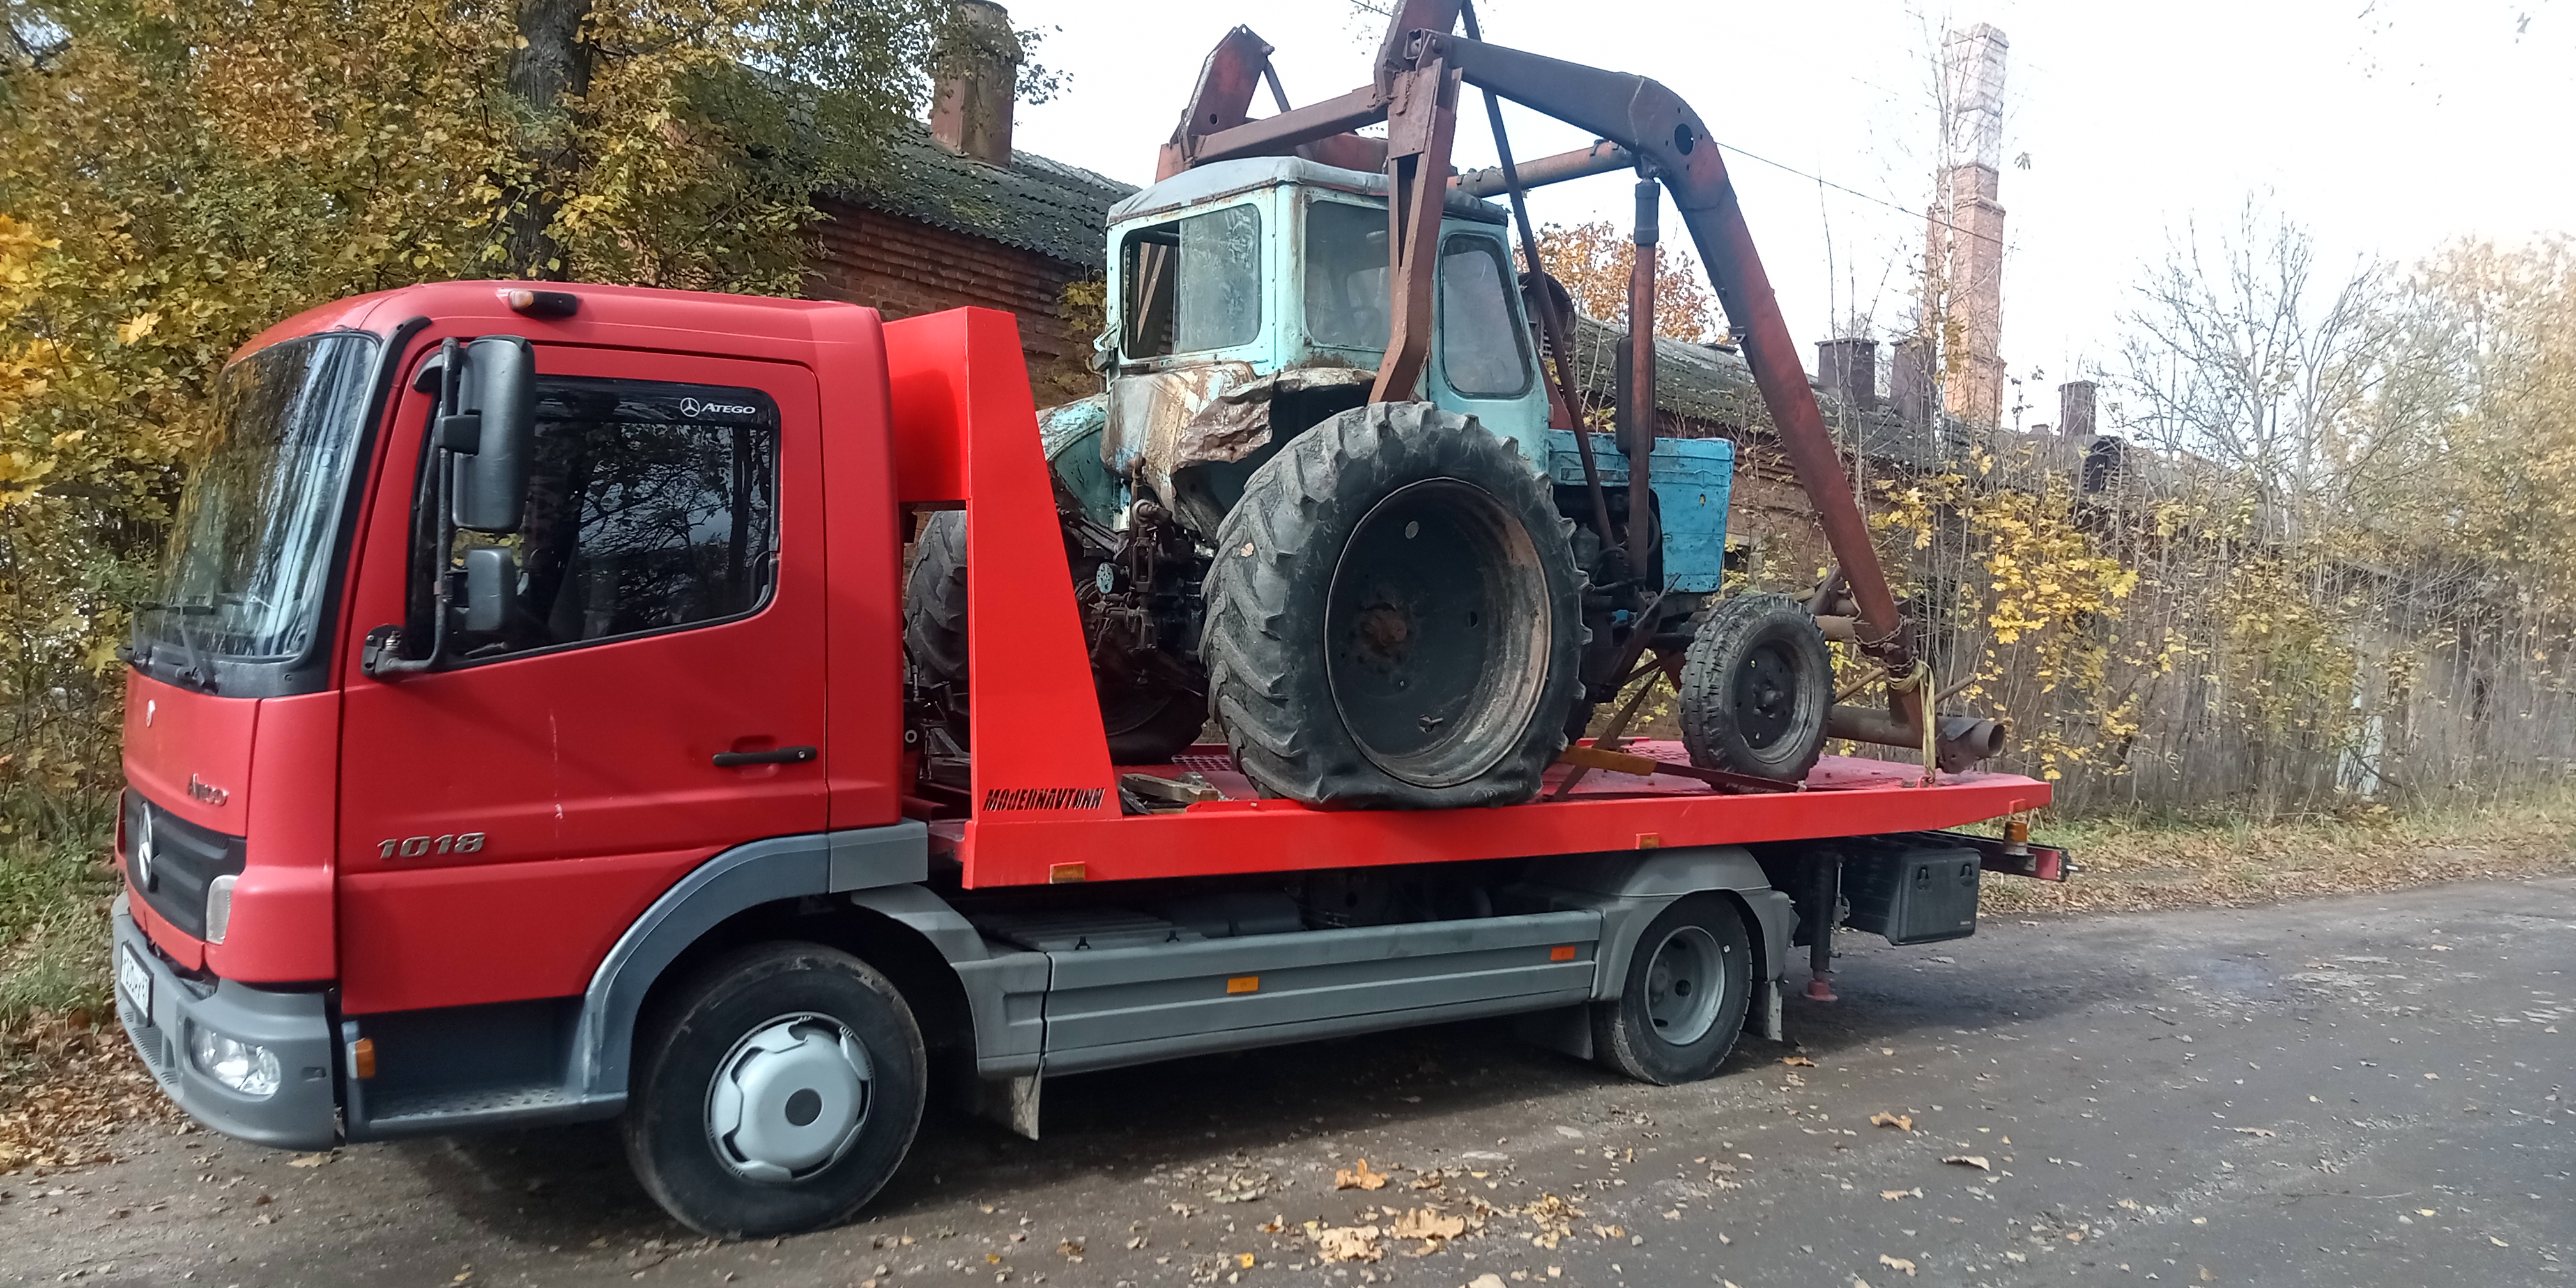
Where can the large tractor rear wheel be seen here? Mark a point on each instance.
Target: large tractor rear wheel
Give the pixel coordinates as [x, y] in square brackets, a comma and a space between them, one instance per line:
[1394, 616]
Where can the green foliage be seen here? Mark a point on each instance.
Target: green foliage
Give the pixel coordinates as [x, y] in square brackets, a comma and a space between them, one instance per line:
[176, 176]
[54, 891]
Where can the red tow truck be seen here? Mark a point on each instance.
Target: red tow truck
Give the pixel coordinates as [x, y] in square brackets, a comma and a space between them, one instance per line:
[665, 868]
[522, 732]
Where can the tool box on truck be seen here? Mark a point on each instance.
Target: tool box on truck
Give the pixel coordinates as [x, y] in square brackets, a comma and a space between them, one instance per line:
[1910, 893]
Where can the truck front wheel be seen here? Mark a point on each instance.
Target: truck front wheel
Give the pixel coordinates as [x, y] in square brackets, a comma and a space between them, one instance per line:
[1689, 980]
[777, 1091]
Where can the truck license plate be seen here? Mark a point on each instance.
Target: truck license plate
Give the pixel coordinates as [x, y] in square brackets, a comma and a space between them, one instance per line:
[135, 981]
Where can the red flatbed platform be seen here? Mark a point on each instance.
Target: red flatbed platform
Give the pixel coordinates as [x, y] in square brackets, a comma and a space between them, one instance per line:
[1043, 801]
[1607, 811]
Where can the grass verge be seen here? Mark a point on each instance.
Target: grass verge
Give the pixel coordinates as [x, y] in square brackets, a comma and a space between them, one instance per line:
[2139, 863]
[65, 1067]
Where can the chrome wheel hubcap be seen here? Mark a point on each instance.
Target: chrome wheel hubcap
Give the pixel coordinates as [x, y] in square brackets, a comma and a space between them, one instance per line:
[789, 1099]
[1684, 980]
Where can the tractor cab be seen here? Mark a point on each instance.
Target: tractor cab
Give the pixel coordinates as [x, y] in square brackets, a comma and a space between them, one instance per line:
[1247, 300]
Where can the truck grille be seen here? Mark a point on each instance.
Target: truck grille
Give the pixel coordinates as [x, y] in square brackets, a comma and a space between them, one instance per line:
[185, 859]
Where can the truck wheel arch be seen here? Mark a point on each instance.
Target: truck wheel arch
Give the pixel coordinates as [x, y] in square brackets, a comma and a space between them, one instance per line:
[759, 878]
[1633, 887]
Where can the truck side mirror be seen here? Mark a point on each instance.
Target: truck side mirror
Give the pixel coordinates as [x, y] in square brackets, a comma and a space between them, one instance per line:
[498, 389]
[491, 588]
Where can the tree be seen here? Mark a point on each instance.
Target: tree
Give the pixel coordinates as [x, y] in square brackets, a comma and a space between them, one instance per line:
[2243, 353]
[175, 176]
[1594, 261]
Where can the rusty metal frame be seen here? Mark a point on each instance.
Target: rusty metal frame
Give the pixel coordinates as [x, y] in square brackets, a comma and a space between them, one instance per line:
[1663, 138]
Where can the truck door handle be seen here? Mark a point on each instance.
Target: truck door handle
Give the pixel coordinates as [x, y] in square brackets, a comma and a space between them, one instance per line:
[777, 756]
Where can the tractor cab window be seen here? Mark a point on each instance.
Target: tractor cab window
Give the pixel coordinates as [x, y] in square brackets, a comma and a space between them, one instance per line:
[1483, 351]
[1346, 268]
[1193, 284]
[651, 506]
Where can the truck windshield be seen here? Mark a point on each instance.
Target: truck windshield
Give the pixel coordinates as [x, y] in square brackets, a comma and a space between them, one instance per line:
[251, 544]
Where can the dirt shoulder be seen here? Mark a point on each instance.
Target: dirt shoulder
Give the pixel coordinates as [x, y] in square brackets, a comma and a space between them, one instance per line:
[2136, 865]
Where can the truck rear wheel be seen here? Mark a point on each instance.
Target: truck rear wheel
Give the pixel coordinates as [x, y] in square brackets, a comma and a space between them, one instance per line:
[1394, 617]
[1147, 722]
[1756, 688]
[777, 1091]
[1682, 1005]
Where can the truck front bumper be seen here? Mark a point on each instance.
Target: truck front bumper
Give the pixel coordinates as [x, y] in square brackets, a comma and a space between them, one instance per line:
[295, 1027]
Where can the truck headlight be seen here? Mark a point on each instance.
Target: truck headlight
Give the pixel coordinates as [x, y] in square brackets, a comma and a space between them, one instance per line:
[219, 907]
[246, 1067]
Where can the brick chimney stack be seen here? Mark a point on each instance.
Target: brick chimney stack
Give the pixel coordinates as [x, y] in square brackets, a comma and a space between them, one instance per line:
[2075, 409]
[1848, 369]
[1909, 381]
[1964, 255]
[970, 107]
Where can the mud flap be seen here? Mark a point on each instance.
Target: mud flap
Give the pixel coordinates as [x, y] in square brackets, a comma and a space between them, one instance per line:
[1010, 1103]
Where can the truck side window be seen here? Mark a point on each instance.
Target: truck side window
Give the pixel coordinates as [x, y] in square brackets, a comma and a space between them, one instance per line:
[650, 506]
[1192, 284]
[1346, 268]
[1484, 353]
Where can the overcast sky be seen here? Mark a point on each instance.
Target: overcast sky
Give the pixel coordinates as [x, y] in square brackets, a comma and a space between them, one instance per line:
[2387, 126]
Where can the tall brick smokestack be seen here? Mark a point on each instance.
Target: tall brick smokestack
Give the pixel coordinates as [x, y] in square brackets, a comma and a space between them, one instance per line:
[1964, 247]
[979, 74]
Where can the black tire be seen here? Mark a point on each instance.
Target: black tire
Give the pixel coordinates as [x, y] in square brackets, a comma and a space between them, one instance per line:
[934, 597]
[823, 999]
[1353, 665]
[1671, 1022]
[1143, 729]
[1150, 728]
[1578, 721]
[1757, 685]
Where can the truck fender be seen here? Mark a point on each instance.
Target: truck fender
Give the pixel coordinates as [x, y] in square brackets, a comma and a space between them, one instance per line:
[732, 882]
[1005, 992]
[1632, 887]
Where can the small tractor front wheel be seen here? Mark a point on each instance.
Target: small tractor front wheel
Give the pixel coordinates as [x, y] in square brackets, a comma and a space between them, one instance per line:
[1756, 687]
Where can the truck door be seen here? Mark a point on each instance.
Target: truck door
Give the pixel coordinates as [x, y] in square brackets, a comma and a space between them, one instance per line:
[506, 816]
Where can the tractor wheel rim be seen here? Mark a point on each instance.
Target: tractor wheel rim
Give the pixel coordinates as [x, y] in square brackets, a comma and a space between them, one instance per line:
[1766, 695]
[1435, 633]
[1684, 981]
[789, 1099]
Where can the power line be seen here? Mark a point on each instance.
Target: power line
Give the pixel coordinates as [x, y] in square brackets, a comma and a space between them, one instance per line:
[1822, 181]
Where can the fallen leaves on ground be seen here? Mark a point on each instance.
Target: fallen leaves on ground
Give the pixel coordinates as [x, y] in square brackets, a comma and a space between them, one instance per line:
[2232, 863]
[63, 1078]
[1798, 1060]
[1358, 1178]
[1977, 1161]
[1897, 1263]
[1901, 1122]
[1554, 1218]
[1427, 1223]
[2254, 1131]
[1345, 1242]
[1915, 1193]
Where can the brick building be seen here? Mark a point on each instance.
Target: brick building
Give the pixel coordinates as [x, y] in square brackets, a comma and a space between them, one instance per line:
[958, 219]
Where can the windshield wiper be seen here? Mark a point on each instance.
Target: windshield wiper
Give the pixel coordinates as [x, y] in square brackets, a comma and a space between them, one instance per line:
[195, 672]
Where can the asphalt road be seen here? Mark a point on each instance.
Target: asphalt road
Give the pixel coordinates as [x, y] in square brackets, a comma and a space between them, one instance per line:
[2362, 1091]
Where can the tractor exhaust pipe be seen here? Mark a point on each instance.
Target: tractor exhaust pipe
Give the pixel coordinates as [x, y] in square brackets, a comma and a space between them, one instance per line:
[1964, 741]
